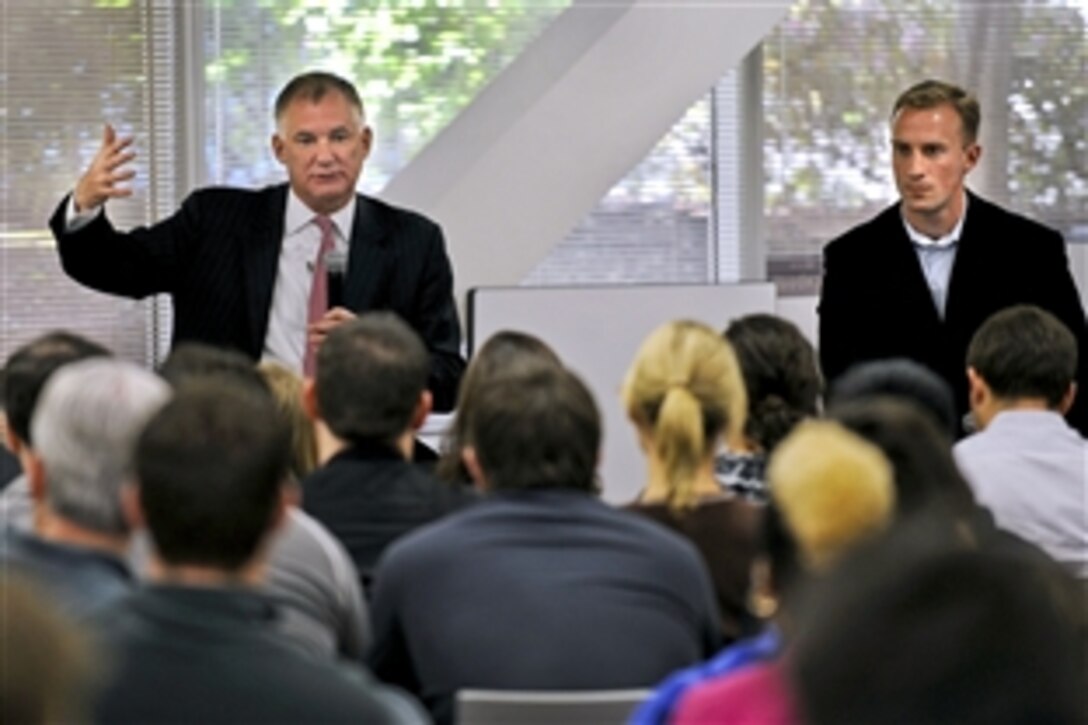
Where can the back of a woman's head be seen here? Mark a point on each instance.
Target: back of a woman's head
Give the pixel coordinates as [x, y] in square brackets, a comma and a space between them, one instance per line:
[903, 379]
[926, 475]
[287, 389]
[685, 391]
[914, 630]
[830, 490]
[781, 376]
[506, 353]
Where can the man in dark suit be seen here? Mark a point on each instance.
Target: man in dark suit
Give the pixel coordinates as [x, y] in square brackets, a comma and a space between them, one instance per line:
[919, 279]
[246, 269]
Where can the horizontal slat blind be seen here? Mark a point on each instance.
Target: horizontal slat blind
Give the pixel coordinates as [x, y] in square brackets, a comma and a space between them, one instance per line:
[65, 68]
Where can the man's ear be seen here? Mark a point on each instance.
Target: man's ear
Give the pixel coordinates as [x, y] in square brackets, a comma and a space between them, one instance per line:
[35, 475]
[278, 147]
[472, 465]
[1068, 398]
[292, 492]
[131, 507]
[12, 441]
[978, 390]
[368, 141]
[309, 399]
[973, 153]
[288, 497]
[422, 409]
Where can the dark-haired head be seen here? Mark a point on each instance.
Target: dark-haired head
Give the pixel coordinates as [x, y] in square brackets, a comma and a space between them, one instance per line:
[372, 379]
[211, 466]
[190, 362]
[541, 430]
[926, 475]
[917, 629]
[507, 353]
[30, 366]
[780, 373]
[1022, 353]
[903, 379]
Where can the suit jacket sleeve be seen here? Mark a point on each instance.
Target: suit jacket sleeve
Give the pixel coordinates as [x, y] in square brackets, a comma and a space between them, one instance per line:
[436, 321]
[837, 324]
[142, 262]
[1056, 292]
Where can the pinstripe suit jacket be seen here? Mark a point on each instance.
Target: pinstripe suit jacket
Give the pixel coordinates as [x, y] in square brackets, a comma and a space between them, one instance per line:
[217, 258]
[875, 302]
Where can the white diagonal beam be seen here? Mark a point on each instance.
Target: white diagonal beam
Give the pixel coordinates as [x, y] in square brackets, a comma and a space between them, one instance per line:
[541, 145]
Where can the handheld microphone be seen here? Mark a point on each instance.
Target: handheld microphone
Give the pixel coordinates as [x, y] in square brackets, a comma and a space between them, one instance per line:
[336, 266]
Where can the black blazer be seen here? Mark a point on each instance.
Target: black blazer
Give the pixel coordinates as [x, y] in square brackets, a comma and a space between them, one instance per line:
[875, 302]
[217, 257]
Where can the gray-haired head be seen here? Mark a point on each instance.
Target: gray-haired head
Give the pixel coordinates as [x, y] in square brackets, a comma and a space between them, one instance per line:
[85, 429]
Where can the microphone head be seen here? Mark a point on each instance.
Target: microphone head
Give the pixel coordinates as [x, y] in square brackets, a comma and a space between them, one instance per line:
[336, 262]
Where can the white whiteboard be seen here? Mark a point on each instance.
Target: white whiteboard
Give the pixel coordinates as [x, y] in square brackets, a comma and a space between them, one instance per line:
[597, 331]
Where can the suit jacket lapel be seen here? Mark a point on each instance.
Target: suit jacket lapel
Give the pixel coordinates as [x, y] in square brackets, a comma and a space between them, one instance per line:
[260, 261]
[368, 258]
[968, 249]
[904, 258]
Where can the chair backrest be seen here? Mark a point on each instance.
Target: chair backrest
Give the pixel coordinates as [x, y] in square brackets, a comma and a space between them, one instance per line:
[581, 707]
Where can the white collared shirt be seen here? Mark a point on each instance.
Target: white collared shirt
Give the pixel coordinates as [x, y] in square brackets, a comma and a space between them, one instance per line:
[1030, 468]
[285, 341]
[937, 257]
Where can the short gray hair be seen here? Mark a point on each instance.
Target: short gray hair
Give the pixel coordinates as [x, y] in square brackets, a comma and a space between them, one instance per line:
[85, 428]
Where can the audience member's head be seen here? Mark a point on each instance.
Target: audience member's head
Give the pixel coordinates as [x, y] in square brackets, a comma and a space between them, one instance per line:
[903, 379]
[210, 468]
[190, 362]
[85, 427]
[926, 475]
[1021, 356]
[507, 353]
[371, 380]
[781, 376]
[830, 490]
[287, 389]
[911, 630]
[541, 430]
[29, 368]
[48, 669]
[684, 392]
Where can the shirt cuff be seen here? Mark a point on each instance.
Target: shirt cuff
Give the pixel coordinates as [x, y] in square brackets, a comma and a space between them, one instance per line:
[76, 220]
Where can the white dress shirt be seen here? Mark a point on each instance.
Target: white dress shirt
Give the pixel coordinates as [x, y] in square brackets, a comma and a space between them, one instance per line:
[1030, 468]
[286, 339]
[937, 257]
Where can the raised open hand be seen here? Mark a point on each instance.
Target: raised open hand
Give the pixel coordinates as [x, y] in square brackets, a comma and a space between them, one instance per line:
[101, 180]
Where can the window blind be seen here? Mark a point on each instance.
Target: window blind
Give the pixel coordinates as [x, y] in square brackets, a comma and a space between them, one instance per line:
[66, 67]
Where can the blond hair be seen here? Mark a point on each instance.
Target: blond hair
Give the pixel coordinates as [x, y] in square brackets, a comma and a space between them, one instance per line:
[286, 388]
[686, 390]
[832, 489]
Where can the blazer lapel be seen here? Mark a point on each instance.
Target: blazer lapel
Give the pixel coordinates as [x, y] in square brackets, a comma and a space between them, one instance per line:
[369, 257]
[960, 285]
[260, 260]
[915, 288]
